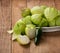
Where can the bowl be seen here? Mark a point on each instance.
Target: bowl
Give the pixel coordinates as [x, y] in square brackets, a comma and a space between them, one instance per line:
[50, 29]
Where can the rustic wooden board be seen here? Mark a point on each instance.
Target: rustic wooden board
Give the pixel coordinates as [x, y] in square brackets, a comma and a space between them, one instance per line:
[5, 24]
[10, 12]
[16, 15]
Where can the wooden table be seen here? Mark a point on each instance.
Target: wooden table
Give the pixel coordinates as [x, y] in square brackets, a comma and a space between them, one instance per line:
[10, 12]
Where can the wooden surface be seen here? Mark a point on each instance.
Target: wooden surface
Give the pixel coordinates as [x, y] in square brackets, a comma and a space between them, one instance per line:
[10, 12]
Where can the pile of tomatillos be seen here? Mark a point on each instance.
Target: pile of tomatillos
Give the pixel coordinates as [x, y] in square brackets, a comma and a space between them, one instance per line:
[26, 29]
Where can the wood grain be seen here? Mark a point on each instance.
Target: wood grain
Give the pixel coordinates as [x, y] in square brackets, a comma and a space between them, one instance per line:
[10, 12]
[47, 2]
[17, 6]
[57, 4]
[16, 15]
[5, 24]
[31, 3]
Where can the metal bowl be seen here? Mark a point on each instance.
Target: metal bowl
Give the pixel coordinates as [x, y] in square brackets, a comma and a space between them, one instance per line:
[50, 29]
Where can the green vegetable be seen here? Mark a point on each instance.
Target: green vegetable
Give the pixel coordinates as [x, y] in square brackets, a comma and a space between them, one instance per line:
[58, 21]
[30, 31]
[43, 23]
[14, 36]
[27, 20]
[42, 8]
[36, 18]
[19, 27]
[32, 23]
[58, 12]
[26, 12]
[10, 31]
[38, 9]
[38, 36]
[50, 13]
[23, 40]
[52, 23]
